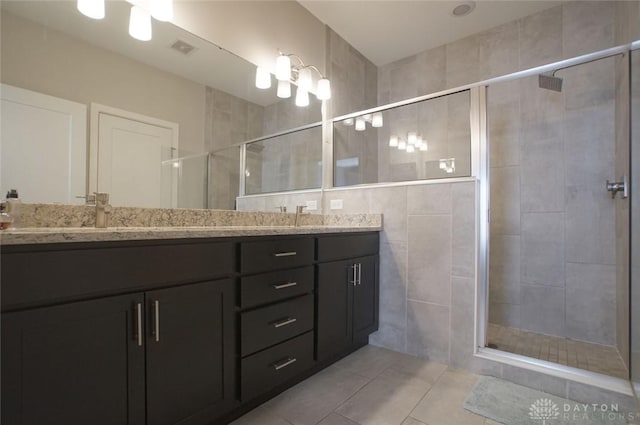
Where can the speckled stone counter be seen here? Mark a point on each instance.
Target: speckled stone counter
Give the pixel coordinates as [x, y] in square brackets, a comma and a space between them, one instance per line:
[44, 223]
[90, 234]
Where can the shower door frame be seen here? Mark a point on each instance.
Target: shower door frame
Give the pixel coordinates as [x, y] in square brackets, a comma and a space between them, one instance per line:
[479, 122]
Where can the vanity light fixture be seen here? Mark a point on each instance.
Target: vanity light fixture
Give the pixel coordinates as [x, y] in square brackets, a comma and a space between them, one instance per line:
[301, 74]
[393, 141]
[93, 9]
[284, 89]
[361, 124]
[140, 23]
[411, 148]
[348, 121]
[263, 78]
[302, 97]
[402, 145]
[448, 165]
[376, 120]
[414, 142]
[412, 136]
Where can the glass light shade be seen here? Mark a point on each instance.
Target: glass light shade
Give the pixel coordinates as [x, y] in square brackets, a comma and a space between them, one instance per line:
[162, 10]
[284, 89]
[411, 148]
[376, 120]
[283, 68]
[93, 9]
[263, 78]
[304, 79]
[393, 141]
[324, 89]
[140, 24]
[443, 165]
[423, 146]
[412, 137]
[361, 124]
[402, 145]
[348, 121]
[302, 97]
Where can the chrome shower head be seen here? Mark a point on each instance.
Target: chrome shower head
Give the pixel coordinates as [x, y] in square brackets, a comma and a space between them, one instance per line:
[550, 82]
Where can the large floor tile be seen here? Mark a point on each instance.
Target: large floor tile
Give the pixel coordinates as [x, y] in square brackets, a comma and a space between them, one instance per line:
[260, 416]
[310, 401]
[369, 361]
[415, 367]
[443, 405]
[387, 400]
[335, 419]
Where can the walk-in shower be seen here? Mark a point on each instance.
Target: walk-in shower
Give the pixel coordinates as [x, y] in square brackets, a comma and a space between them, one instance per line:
[558, 240]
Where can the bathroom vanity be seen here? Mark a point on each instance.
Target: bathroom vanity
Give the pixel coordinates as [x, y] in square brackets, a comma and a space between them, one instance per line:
[178, 331]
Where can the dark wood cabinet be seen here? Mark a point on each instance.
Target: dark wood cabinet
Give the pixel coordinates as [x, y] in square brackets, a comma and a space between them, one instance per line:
[347, 307]
[74, 364]
[190, 353]
[188, 332]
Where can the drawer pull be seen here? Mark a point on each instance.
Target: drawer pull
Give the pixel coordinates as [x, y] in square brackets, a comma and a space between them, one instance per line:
[285, 254]
[285, 363]
[284, 285]
[285, 322]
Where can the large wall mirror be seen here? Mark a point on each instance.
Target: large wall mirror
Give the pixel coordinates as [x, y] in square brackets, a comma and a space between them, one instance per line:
[87, 108]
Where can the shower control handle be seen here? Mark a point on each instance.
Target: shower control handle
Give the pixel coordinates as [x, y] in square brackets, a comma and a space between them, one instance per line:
[615, 187]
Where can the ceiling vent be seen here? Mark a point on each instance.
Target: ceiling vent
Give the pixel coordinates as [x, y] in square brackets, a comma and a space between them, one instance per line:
[183, 47]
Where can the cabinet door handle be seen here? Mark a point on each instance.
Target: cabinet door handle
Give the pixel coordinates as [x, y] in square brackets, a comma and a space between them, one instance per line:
[139, 324]
[359, 273]
[354, 280]
[284, 363]
[285, 254]
[285, 322]
[156, 320]
[284, 285]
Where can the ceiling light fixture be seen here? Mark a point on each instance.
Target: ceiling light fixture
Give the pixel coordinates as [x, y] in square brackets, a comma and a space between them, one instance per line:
[463, 9]
[93, 9]
[300, 74]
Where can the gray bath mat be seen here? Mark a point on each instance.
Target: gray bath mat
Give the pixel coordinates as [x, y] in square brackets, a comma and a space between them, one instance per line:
[512, 404]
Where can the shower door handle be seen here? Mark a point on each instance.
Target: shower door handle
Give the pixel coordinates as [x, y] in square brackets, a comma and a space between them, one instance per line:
[615, 187]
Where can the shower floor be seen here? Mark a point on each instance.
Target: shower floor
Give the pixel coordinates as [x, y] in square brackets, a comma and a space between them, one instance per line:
[593, 357]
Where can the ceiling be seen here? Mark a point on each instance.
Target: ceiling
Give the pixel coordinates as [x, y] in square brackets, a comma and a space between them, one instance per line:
[385, 31]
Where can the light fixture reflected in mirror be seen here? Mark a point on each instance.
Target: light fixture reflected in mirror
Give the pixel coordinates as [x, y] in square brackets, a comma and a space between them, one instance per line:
[93, 9]
[162, 10]
[376, 120]
[393, 141]
[140, 24]
[324, 89]
[283, 68]
[360, 124]
[402, 145]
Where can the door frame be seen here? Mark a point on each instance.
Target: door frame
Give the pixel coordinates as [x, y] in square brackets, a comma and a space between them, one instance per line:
[98, 109]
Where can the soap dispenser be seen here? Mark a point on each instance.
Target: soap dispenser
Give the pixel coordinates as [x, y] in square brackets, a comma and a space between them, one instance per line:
[13, 208]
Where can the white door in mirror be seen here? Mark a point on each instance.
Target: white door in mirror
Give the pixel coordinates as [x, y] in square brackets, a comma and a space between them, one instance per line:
[43, 147]
[134, 161]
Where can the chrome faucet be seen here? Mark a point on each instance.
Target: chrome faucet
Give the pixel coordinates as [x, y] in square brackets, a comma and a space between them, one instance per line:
[103, 209]
[299, 210]
[282, 208]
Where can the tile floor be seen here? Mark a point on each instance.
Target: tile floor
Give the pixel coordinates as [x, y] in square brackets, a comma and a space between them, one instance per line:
[374, 386]
[593, 357]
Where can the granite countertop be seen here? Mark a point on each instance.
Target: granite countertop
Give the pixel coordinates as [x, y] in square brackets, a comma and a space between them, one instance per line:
[41, 235]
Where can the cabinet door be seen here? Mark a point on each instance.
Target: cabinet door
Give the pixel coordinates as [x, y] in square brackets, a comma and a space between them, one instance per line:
[365, 298]
[190, 353]
[77, 363]
[335, 292]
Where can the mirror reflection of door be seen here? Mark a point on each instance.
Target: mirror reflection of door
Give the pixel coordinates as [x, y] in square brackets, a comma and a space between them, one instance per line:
[130, 158]
[43, 147]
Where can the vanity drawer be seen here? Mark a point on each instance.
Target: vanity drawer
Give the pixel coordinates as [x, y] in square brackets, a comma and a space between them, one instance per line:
[269, 368]
[275, 286]
[339, 247]
[270, 325]
[262, 256]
